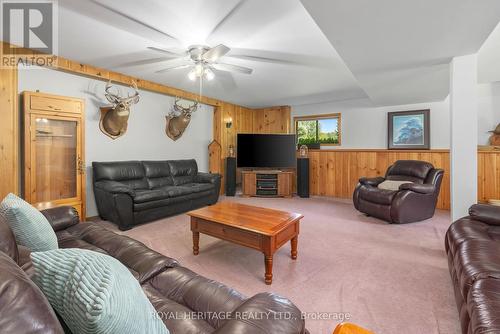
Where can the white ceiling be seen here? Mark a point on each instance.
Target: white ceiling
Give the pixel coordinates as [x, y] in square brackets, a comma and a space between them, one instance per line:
[278, 29]
[396, 51]
[399, 50]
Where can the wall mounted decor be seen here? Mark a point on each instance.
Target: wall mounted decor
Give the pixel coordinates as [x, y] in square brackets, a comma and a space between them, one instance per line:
[495, 136]
[409, 130]
[114, 119]
[179, 117]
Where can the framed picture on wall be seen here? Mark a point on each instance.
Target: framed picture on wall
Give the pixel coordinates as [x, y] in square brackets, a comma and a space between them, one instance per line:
[409, 130]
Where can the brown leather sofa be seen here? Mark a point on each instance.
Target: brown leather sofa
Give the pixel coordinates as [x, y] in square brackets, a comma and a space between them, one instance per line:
[413, 202]
[473, 247]
[175, 291]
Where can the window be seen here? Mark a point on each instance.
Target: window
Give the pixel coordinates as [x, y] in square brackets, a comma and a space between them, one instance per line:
[322, 129]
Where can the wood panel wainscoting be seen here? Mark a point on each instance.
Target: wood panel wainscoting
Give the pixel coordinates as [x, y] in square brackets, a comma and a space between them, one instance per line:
[488, 182]
[336, 172]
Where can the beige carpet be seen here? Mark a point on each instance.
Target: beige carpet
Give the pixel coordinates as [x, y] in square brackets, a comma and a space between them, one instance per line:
[392, 279]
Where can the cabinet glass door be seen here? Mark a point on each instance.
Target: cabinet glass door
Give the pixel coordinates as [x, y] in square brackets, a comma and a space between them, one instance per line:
[56, 159]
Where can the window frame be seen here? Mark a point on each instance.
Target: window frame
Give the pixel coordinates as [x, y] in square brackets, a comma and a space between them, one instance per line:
[338, 116]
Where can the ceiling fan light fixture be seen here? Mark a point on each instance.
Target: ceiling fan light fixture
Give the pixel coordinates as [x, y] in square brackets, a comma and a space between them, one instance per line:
[209, 74]
[192, 75]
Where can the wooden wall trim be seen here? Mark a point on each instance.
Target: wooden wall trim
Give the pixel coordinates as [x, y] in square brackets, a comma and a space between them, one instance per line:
[381, 150]
[9, 132]
[70, 66]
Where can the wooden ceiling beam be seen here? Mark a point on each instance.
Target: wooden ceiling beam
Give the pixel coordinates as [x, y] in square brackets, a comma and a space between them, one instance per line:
[70, 66]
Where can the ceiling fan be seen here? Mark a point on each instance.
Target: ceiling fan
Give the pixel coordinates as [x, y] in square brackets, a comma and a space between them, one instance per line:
[202, 60]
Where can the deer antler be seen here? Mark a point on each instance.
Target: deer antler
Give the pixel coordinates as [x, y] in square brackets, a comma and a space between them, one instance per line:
[113, 98]
[116, 99]
[135, 97]
[180, 108]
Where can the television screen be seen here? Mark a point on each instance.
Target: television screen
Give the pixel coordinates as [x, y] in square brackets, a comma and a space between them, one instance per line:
[266, 151]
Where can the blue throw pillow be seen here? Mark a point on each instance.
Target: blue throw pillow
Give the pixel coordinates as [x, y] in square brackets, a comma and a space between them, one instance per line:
[30, 227]
[94, 293]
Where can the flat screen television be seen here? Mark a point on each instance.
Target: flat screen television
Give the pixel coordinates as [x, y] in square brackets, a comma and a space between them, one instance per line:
[266, 151]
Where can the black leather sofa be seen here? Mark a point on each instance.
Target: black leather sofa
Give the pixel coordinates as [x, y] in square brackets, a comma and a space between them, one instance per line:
[128, 193]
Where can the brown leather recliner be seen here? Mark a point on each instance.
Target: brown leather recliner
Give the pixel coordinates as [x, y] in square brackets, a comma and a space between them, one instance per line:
[412, 202]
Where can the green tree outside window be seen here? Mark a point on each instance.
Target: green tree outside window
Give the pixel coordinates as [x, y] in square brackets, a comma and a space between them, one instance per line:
[320, 130]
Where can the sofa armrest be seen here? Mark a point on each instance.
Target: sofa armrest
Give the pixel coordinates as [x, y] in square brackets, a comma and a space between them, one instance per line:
[489, 214]
[371, 181]
[62, 217]
[207, 178]
[265, 313]
[115, 187]
[418, 188]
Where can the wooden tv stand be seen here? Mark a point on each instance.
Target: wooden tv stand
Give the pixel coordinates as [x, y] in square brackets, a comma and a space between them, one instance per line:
[267, 183]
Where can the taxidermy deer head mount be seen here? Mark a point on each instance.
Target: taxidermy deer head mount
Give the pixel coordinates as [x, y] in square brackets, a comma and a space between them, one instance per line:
[114, 119]
[179, 117]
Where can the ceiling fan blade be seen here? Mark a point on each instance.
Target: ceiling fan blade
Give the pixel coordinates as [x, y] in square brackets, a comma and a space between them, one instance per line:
[116, 11]
[215, 53]
[225, 18]
[232, 68]
[145, 62]
[225, 79]
[265, 59]
[174, 68]
[170, 53]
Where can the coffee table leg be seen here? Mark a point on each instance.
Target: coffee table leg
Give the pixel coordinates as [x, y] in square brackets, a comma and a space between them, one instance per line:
[294, 242]
[196, 243]
[268, 259]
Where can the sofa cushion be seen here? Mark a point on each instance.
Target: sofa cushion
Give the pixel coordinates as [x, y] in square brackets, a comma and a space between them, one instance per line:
[177, 191]
[158, 173]
[94, 293]
[413, 170]
[142, 196]
[8, 243]
[183, 171]
[376, 195]
[177, 317]
[30, 227]
[130, 173]
[132, 253]
[23, 306]
[198, 187]
[198, 293]
[476, 259]
[392, 184]
[483, 305]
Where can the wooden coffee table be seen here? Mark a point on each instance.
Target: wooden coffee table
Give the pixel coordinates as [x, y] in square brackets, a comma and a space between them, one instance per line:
[259, 228]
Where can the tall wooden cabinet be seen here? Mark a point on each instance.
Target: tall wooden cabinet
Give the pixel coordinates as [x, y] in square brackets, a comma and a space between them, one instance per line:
[54, 151]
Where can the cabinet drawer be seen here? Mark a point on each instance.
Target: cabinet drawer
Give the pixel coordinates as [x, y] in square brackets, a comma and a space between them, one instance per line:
[55, 104]
[238, 236]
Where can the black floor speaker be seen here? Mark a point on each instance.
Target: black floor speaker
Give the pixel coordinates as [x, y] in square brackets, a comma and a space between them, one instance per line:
[230, 176]
[303, 177]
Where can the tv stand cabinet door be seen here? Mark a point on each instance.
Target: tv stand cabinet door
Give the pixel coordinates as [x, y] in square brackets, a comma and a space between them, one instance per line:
[249, 184]
[285, 184]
